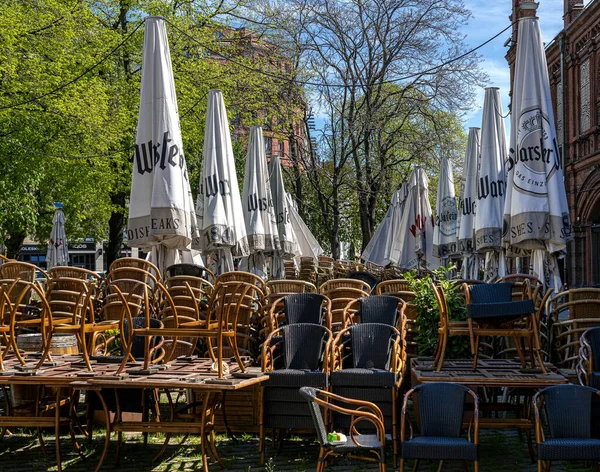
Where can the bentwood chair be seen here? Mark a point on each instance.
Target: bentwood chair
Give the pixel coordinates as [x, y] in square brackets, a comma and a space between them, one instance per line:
[370, 447]
[568, 412]
[493, 312]
[132, 263]
[588, 371]
[441, 410]
[376, 309]
[293, 356]
[447, 327]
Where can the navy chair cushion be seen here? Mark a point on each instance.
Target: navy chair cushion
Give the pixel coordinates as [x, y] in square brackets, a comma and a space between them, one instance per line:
[439, 448]
[297, 378]
[358, 377]
[569, 449]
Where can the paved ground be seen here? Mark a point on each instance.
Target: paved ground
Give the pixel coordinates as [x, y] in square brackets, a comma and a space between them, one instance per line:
[499, 452]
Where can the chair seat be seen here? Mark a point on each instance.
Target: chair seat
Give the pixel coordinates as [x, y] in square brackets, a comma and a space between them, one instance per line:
[357, 377]
[366, 441]
[439, 448]
[501, 311]
[296, 378]
[569, 449]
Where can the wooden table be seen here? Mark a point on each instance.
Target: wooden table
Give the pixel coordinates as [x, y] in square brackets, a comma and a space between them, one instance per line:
[194, 375]
[491, 373]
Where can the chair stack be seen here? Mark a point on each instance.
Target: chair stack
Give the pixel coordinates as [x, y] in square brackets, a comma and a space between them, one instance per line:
[324, 269]
[308, 270]
[341, 292]
[290, 272]
[295, 355]
[588, 370]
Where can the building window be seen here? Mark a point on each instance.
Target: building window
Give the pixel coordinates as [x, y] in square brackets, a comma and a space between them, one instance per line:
[268, 146]
[281, 147]
[584, 95]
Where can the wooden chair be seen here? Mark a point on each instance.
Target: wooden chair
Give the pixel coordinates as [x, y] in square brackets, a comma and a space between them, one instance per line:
[13, 270]
[344, 283]
[275, 290]
[493, 312]
[447, 327]
[341, 292]
[74, 273]
[323, 404]
[240, 276]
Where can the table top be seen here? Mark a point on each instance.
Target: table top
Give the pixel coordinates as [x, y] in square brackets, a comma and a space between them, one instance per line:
[69, 370]
[489, 373]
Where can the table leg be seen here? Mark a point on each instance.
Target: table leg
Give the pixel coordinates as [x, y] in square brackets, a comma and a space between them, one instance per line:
[107, 438]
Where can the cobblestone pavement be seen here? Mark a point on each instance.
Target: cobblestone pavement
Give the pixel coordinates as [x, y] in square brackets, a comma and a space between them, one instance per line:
[499, 452]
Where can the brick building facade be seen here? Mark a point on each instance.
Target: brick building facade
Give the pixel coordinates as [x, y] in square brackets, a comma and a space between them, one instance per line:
[573, 58]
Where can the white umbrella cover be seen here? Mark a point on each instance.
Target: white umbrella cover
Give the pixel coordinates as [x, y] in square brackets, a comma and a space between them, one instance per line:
[536, 214]
[259, 215]
[219, 207]
[308, 245]
[413, 244]
[58, 252]
[161, 207]
[446, 214]
[467, 204]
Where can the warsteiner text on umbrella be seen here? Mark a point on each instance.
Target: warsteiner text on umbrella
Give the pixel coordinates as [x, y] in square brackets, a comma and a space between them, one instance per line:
[145, 161]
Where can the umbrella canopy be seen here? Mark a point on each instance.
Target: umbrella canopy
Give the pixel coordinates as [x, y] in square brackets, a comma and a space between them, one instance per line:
[491, 186]
[58, 253]
[259, 215]
[288, 242]
[161, 207]
[412, 247]
[467, 204]
[444, 231]
[379, 249]
[308, 246]
[536, 214]
[219, 207]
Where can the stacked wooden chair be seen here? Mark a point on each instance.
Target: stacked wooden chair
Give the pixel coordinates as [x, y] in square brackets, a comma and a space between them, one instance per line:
[341, 292]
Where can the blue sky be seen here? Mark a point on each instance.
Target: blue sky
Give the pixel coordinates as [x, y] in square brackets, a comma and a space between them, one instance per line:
[489, 18]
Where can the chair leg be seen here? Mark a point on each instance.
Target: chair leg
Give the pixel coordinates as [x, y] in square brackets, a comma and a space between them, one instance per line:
[475, 353]
[401, 464]
[442, 353]
[321, 460]
[540, 466]
[547, 466]
[416, 465]
[440, 466]
[476, 466]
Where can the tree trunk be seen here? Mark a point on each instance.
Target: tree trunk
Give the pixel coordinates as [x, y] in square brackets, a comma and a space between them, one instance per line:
[13, 244]
[116, 225]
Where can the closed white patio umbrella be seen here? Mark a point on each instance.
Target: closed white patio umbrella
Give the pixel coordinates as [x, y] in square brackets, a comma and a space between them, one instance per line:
[379, 248]
[58, 252]
[536, 214]
[288, 242]
[446, 214]
[259, 215]
[308, 246]
[491, 187]
[219, 206]
[161, 208]
[413, 245]
[467, 204]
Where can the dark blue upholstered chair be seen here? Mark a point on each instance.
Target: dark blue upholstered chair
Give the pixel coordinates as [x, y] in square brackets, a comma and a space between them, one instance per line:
[311, 308]
[359, 411]
[294, 356]
[569, 413]
[368, 363]
[492, 312]
[383, 309]
[441, 411]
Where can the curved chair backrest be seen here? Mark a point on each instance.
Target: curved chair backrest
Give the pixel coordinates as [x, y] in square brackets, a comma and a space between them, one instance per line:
[371, 345]
[592, 338]
[192, 270]
[569, 409]
[335, 284]
[440, 297]
[137, 263]
[68, 297]
[286, 287]
[304, 308]
[310, 394]
[19, 270]
[240, 276]
[74, 273]
[516, 278]
[441, 408]
[389, 287]
[303, 346]
[365, 276]
[379, 309]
